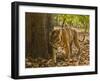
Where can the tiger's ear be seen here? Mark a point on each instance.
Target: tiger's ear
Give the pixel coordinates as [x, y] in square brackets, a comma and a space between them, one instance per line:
[52, 30]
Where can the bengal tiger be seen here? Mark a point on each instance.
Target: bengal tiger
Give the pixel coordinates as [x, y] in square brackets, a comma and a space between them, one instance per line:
[62, 40]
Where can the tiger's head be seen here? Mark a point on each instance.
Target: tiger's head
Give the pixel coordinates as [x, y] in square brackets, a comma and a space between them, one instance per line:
[55, 38]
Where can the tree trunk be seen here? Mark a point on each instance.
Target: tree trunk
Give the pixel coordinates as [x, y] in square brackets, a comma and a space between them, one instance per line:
[36, 35]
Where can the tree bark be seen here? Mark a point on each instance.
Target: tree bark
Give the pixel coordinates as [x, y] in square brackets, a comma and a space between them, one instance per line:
[36, 35]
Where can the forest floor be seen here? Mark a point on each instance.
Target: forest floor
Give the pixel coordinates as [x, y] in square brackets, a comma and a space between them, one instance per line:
[84, 58]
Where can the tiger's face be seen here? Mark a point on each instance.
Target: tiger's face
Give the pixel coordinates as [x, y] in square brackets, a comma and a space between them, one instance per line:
[55, 38]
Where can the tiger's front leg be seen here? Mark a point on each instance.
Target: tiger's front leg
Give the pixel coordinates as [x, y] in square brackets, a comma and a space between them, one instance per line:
[54, 56]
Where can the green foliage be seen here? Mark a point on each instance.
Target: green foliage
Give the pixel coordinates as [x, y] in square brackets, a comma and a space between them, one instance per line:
[80, 21]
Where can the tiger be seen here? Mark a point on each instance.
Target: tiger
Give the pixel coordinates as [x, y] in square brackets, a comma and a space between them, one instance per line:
[62, 40]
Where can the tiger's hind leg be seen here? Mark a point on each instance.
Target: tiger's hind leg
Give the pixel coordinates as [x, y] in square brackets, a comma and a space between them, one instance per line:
[78, 47]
